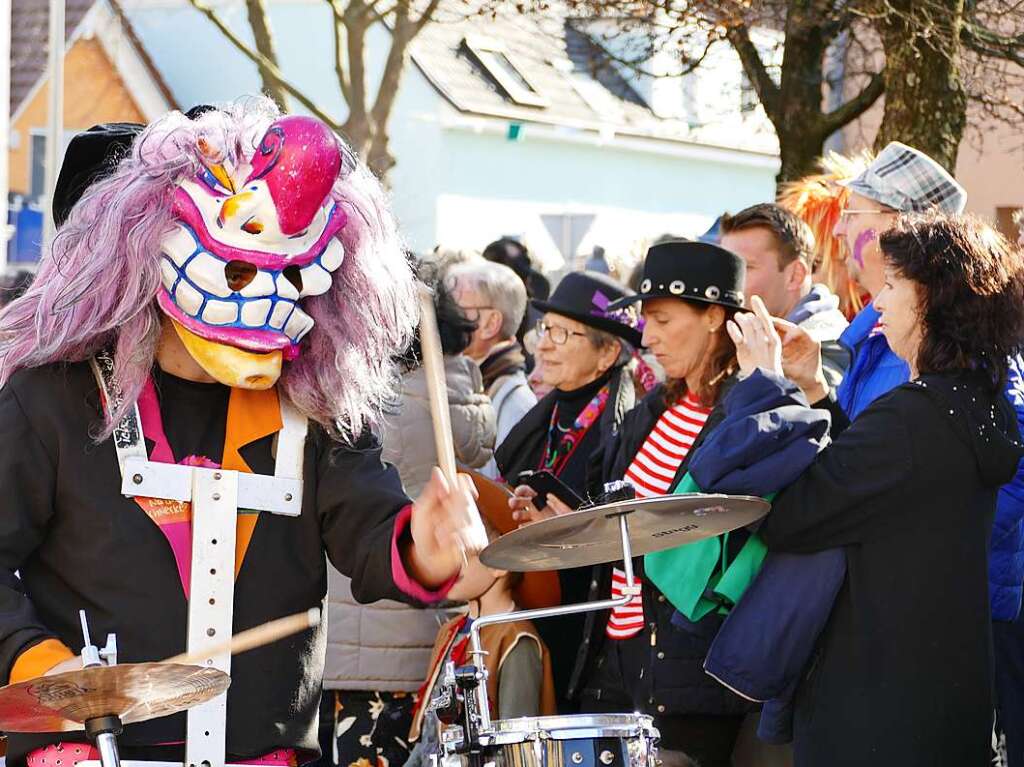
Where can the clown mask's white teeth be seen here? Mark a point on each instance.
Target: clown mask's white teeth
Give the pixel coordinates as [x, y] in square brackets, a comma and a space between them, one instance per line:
[315, 281]
[298, 325]
[285, 288]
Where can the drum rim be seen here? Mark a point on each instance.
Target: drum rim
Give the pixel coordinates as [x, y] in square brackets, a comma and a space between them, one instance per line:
[610, 725]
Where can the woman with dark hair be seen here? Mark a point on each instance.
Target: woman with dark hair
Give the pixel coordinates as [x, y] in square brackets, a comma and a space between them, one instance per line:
[902, 673]
[634, 658]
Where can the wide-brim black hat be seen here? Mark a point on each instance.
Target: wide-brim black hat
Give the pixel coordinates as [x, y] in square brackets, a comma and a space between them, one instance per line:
[587, 297]
[693, 271]
[91, 155]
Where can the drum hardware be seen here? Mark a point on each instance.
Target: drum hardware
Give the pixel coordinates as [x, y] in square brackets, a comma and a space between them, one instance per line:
[102, 696]
[580, 538]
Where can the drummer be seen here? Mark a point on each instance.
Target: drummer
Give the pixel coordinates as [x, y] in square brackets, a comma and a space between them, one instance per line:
[172, 223]
[634, 659]
[582, 353]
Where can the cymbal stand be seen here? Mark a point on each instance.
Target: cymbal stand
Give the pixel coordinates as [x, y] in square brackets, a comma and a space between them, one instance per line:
[102, 730]
[479, 720]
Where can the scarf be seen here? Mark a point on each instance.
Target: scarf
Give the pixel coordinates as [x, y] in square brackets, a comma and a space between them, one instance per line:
[560, 445]
[504, 361]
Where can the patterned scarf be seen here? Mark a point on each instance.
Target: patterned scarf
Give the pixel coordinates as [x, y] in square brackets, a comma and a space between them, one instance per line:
[560, 445]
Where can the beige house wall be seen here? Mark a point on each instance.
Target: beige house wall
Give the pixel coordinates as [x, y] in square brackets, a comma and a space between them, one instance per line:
[93, 93]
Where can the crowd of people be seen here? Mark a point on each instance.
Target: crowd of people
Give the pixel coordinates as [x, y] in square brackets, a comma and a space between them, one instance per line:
[862, 284]
[228, 294]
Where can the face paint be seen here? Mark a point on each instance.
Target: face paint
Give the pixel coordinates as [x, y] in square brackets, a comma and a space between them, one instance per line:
[864, 239]
[250, 243]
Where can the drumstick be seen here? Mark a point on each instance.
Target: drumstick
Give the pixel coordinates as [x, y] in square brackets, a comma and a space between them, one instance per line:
[254, 637]
[437, 388]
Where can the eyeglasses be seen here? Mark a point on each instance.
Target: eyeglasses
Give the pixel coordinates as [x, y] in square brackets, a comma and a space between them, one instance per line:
[854, 211]
[556, 333]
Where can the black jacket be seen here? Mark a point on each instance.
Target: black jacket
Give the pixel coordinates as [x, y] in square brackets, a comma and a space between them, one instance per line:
[520, 452]
[903, 672]
[78, 543]
[521, 449]
[674, 681]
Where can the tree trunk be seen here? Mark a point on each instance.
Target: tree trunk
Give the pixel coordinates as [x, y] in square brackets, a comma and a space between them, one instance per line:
[264, 39]
[925, 100]
[799, 122]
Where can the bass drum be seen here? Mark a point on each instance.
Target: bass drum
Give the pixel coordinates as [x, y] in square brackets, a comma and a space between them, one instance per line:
[582, 740]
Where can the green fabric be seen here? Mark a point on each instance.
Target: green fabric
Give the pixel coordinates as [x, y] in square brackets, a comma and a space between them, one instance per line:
[684, 573]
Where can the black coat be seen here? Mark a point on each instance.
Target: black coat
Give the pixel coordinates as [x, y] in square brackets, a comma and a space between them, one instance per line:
[78, 543]
[903, 672]
[674, 682]
[521, 451]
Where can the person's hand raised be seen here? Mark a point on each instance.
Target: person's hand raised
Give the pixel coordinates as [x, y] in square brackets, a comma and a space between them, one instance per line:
[757, 343]
[801, 360]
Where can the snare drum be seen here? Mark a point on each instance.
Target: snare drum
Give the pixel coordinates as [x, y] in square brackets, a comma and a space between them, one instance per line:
[582, 740]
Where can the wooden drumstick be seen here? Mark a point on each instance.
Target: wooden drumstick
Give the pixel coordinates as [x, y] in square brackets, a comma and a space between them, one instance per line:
[437, 388]
[254, 637]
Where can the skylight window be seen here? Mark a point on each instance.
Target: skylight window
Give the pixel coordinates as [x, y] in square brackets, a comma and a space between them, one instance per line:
[496, 60]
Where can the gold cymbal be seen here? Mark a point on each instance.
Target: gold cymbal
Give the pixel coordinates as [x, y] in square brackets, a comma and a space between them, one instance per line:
[591, 536]
[134, 692]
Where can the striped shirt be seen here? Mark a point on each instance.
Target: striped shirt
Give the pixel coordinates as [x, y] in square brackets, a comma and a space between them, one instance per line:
[651, 473]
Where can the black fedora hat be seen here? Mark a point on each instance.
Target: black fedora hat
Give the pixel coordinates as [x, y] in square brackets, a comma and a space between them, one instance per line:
[587, 297]
[91, 155]
[694, 271]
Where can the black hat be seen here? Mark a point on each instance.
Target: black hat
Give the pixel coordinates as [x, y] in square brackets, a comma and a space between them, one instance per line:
[587, 297]
[91, 155]
[695, 271]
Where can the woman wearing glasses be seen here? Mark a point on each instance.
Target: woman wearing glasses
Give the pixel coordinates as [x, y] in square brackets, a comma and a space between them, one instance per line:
[582, 351]
[637, 658]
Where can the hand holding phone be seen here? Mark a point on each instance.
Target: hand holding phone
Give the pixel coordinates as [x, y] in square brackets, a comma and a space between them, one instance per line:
[545, 483]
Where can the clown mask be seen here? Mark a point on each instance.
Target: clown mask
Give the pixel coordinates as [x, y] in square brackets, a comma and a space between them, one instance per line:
[250, 243]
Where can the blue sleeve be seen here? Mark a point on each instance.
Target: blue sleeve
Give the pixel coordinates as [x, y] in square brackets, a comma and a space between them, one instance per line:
[1006, 551]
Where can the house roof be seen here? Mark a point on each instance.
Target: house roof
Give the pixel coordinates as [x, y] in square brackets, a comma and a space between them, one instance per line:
[29, 33]
[553, 57]
[29, 44]
[575, 83]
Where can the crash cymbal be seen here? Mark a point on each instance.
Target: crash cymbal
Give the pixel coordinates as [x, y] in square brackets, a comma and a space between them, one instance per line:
[134, 692]
[591, 536]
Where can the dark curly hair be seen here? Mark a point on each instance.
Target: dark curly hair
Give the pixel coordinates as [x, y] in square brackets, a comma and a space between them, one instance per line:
[970, 283]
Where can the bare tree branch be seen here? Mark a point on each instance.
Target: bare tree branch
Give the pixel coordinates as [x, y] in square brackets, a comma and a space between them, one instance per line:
[988, 43]
[264, 39]
[766, 89]
[261, 61]
[856, 106]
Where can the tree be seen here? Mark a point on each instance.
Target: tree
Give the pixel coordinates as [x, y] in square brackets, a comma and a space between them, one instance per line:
[933, 59]
[367, 121]
[792, 94]
[944, 58]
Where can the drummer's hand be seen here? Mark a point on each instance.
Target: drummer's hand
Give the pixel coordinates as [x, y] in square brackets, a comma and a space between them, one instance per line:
[524, 511]
[757, 343]
[446, 528]
[71, 664]
[801, 360]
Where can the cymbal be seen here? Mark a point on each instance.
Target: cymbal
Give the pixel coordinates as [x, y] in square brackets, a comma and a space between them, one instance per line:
[591, 536]
[134, 692]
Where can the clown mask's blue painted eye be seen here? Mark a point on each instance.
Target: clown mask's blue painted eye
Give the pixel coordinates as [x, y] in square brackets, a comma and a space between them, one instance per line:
[208, 179]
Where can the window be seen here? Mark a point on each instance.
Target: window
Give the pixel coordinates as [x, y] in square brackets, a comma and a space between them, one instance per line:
[496, 60]
[37, 161]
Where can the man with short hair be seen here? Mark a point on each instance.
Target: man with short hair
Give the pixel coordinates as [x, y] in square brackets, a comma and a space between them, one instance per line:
[493, 296]
[778, 248]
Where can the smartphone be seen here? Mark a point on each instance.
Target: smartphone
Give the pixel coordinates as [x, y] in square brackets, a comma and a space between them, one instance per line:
[544, 482]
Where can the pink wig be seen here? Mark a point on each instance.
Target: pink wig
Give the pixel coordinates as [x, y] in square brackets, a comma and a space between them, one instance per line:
[97, 283]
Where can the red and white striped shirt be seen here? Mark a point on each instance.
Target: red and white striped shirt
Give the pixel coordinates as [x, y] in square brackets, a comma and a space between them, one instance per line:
[651, 473]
